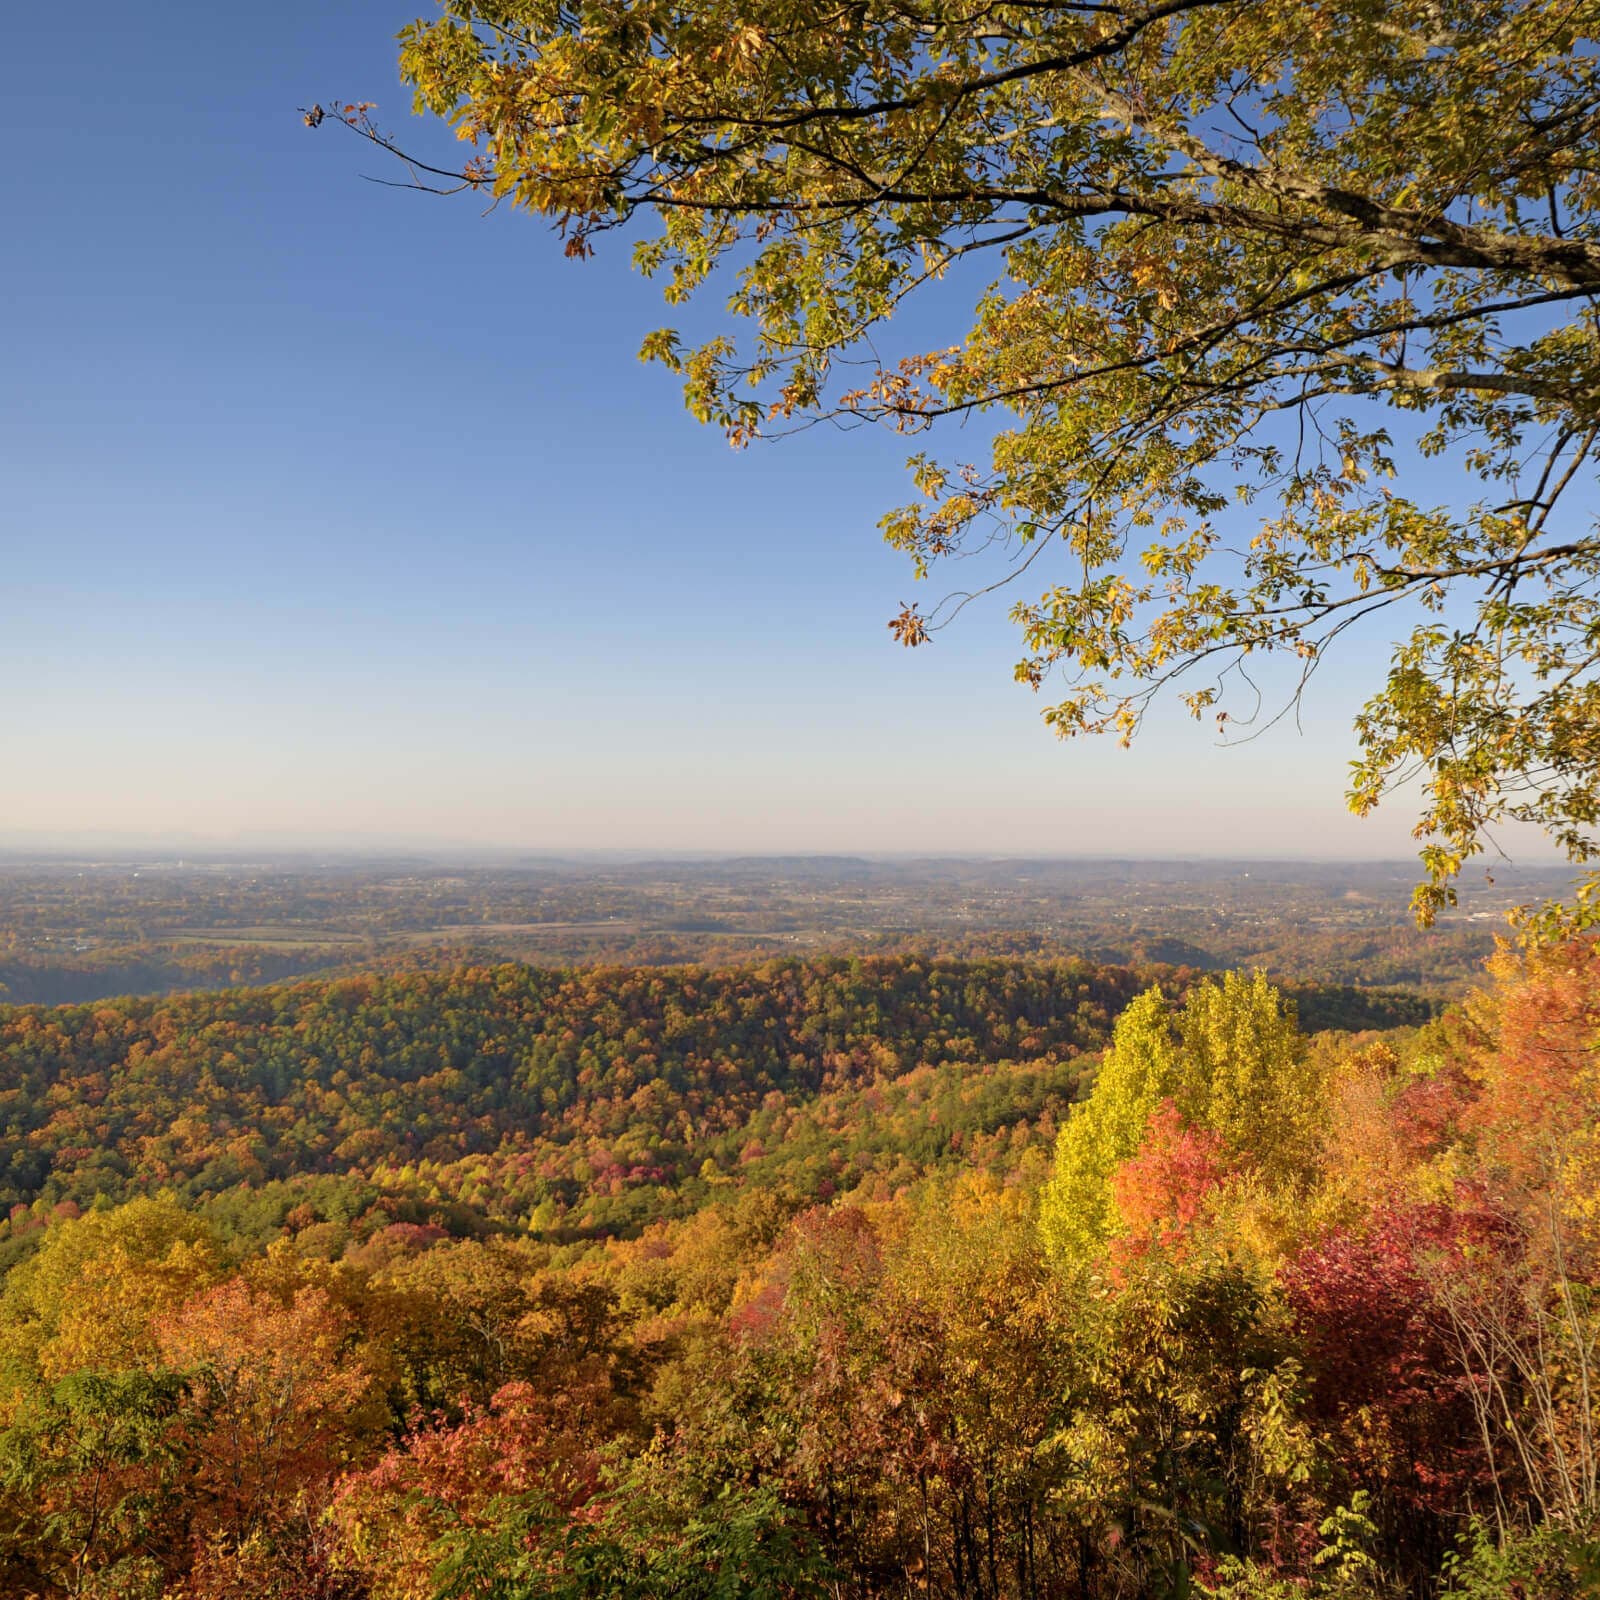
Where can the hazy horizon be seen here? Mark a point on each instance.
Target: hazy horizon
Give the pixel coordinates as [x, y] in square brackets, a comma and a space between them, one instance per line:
[113, 849]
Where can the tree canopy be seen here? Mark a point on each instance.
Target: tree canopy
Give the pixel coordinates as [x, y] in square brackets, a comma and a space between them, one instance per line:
[1231, 1064]
[740, 1308]
[1232, 263]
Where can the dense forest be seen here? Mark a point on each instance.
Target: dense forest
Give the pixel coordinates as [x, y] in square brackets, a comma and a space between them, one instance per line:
[849, 1278]
[584, 1099]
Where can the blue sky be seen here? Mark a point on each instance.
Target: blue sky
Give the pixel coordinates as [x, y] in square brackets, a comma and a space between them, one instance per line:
[336, 514]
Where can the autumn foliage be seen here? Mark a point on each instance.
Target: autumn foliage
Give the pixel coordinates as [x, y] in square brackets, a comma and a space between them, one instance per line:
[1231, 1311]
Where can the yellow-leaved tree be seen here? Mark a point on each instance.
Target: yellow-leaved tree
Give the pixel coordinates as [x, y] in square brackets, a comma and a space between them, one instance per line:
[88, 1297]
[1233, 1064]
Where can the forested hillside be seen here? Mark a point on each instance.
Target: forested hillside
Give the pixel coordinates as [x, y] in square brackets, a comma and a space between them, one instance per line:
[811, 1278]
[592, 1097]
